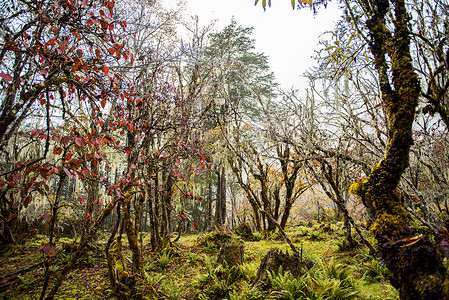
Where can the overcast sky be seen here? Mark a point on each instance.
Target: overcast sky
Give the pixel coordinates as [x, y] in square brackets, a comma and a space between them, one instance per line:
[289, 37]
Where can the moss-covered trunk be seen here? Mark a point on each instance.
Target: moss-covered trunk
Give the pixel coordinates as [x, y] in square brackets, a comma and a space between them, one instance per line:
[131, 234]
[413, 260]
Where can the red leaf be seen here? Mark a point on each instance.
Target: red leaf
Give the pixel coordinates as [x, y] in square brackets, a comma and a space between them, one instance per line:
[68, 156]
[57, 151]
[17, 177]
[43, 101]
[87, 217]
[111, 51]
[106, 68]
[85, 172]
[79, 141]
[27, 201]
[86, 79]
[47, 249]
[103, 103]
[66, 139]
[6, 77]
[67, 172]
[111, 7]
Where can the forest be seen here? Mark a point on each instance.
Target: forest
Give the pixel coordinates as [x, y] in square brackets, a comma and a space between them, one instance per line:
[146, 156]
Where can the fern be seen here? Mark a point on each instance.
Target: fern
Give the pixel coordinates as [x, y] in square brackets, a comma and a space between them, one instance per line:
[332, 281]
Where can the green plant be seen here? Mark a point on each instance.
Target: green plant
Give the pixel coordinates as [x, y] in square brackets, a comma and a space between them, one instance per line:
[218, 282]
[324, 281]
[303, 230]
[249, 271]
[171, 290]
[257, 236]
[343, 244]
[286, 286]
[163, 261]
[316, 235]
[26, 283]
[214, 240]
[153, 279]
[374, 271]
[247, 292]
[193, 259]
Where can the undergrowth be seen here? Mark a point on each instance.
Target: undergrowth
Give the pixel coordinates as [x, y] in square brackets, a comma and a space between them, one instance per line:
[194, 273]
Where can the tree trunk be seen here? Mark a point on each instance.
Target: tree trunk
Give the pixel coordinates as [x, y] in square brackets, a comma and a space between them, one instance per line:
[220, 207]
[131, 233]
[209, 207]
[223, 196]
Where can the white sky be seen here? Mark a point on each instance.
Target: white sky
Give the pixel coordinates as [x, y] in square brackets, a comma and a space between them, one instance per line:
[289, 37]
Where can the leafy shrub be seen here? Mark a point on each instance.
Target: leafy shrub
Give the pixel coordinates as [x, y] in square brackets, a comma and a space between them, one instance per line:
[247, 292]
[304, 231]
[171, 290]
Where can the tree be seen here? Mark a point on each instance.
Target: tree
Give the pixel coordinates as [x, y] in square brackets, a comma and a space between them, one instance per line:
[55, 57]
[414, 260]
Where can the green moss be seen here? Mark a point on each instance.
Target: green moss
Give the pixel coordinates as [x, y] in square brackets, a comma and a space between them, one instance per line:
[119, 260]
[357, 187]
[385, 223]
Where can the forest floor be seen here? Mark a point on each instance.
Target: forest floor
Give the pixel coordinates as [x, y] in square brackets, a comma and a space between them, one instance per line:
[190, 271]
